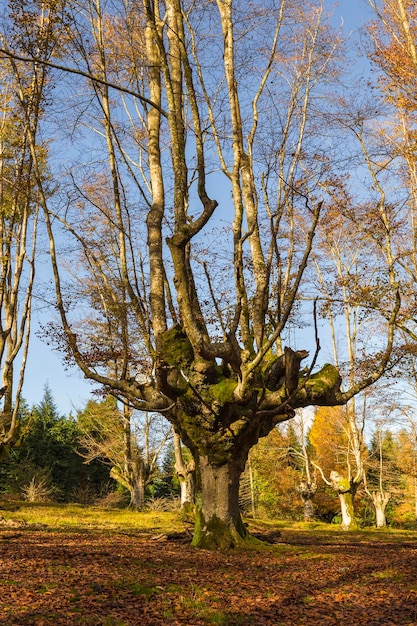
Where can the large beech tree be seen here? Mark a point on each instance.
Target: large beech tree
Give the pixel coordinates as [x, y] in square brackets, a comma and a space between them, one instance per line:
[212, 155]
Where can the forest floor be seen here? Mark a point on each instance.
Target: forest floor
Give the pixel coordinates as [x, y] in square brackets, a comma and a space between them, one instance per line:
[126, 574]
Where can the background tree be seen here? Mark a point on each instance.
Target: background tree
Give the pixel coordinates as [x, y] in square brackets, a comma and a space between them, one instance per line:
[128, 441]
[166, 484]
[18, 235]
[177, 475]
[395, 51]
[406, 510]
[48, 462]
[33, 29]
[382, 476]
[351, 308]
[185, 472]
[275, 476]
[390, 146]
[301, 449]
[330, 445]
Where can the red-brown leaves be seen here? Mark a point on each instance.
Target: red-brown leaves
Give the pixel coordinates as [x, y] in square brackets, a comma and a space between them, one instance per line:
[313, 578]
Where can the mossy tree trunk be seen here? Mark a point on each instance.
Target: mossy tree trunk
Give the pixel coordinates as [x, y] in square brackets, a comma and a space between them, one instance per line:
[218, 521]
[219, 440]
[346, 490]
[307, 492]
[220, 431]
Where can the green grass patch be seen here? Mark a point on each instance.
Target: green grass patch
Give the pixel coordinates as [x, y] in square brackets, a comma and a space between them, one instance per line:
[388, 574]
[47, 588]
[67, 517]
[315, 556]
[80, 518]
[202, 604]
[139, 588]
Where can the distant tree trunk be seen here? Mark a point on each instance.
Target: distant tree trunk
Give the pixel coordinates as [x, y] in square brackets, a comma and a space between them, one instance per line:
[346, 491]
[415, 500]
[379, 495]
[307, 492]
[380, 500]
[347, 510]
[252, 488]
[138, 484]
[186, 476]
[136, 470]
[187, 487]
[137, 498]
[134, 482]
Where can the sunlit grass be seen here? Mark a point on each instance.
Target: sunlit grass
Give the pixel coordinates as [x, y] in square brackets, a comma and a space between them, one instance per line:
[84, 518]
[72, 517]
[325, 531]
[388, 574]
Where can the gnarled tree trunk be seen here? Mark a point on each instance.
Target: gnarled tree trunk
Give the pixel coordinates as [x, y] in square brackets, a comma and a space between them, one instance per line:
[218, 520]
[134, 480]
[380, 500]
[346, 491]
[307, 492]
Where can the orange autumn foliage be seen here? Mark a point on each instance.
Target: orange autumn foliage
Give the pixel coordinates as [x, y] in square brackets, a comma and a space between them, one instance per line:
[329, 438]
[394, 37]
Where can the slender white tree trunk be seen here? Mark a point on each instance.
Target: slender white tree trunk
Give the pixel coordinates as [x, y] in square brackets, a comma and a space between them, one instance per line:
[186, 475]
[346, 507]
[346, 491]
[380, 500]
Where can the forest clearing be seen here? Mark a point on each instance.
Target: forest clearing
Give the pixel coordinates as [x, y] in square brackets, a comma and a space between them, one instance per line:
[221, 239]
[208, 210]
[82, 565]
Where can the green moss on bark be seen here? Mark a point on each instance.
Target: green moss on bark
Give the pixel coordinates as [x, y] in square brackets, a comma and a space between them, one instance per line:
[176, 349]
[327, 379]
[224, 390]
[217, 534]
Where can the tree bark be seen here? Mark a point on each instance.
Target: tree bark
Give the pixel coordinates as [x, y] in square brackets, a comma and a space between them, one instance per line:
[218, 522]
[137, 494]
[347, 510]
[187, 490]
[185, 472]
[380, 501]
[307, 492]
[415, 501]
[134, 482]
[346, 491]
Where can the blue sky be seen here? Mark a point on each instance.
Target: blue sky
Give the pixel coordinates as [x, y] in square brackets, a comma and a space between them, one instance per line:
[355, 13]
[70, 390]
